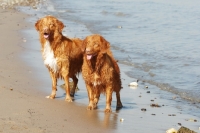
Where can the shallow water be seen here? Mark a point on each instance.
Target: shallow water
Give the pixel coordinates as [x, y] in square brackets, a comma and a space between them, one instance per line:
[159, 40]
[155, 41]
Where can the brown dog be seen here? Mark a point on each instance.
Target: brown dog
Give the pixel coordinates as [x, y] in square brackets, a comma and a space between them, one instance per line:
[100, 71]
[62, 56]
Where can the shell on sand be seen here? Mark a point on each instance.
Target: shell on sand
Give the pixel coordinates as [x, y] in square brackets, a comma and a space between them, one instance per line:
[171, 130]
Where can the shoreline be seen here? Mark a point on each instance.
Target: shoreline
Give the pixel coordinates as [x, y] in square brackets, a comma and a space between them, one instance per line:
[24, 80]
[23, 106]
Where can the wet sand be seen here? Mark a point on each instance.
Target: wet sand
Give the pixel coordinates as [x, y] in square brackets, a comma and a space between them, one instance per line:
[24, 83]
[23, 107]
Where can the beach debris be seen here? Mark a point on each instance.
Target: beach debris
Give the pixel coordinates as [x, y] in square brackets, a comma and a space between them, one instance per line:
[133, 87]
[152, 100]
[185, 130]
[11, 89]
[134, 83]
[140, 96]
[143, 109]
[171, 115]
[121, 120]
[179, 124]
[192, 120]
[148, 91]
[171, 130]
[119, 27]
[153, 114]
[174, 97]
[155, 105]
[146, 87]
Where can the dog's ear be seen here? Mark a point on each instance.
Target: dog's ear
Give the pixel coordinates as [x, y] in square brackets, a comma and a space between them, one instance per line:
[37, 25]
[60, 25]
[84, 45]
[105, 45]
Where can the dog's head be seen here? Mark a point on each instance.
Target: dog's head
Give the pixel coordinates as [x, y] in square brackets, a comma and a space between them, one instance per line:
[94, 45]
[48, 25]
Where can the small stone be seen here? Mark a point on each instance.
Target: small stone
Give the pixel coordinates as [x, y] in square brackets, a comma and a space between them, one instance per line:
[11, 89]
[121, 120]
[153, 114]
[148, 91]
[143, 109]
[146, 86]
[179, 124]
[119, 27]
[171, 130]
[155, 105]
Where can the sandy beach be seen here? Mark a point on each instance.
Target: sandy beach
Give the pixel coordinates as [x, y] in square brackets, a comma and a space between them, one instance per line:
[23, 108]
[24, 83]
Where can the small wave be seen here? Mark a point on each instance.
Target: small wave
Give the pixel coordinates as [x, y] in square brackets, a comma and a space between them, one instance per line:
[12, 3]
[167, 87]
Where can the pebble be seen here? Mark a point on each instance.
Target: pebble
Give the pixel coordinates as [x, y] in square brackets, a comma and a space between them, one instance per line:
[119, 27]
[192, 120]
[171, 115]
[155, 105]
[121, 120]
[179, 124]
[148, 91]
[146, 86]
[143, 109]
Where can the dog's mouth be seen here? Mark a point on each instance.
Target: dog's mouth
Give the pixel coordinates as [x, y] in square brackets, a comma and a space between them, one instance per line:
[46, 35]
[90, 56]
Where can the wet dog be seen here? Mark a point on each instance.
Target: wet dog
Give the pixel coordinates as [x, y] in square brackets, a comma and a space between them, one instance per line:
[62, 56]
[100, 71]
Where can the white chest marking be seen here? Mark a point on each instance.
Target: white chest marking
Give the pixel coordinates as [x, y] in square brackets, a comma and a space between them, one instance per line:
[95, 83]
[49, 58]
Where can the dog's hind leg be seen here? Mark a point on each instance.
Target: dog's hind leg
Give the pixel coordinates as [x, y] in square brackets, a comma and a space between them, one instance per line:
[75, 81]
[54, 84]
[119, 103]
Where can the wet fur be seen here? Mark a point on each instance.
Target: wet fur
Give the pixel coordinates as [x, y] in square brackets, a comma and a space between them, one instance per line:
[101, 73]
[63, 57]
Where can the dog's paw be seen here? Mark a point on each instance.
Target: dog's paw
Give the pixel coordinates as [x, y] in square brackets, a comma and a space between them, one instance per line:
[50, 97]
[68, 99]
[119, 105]
[107, 110]
[90, 108]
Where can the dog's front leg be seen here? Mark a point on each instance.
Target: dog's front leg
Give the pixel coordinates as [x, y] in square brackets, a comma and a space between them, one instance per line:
[91, 97]
[54, 83]
[109, 91]
[67, 89]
